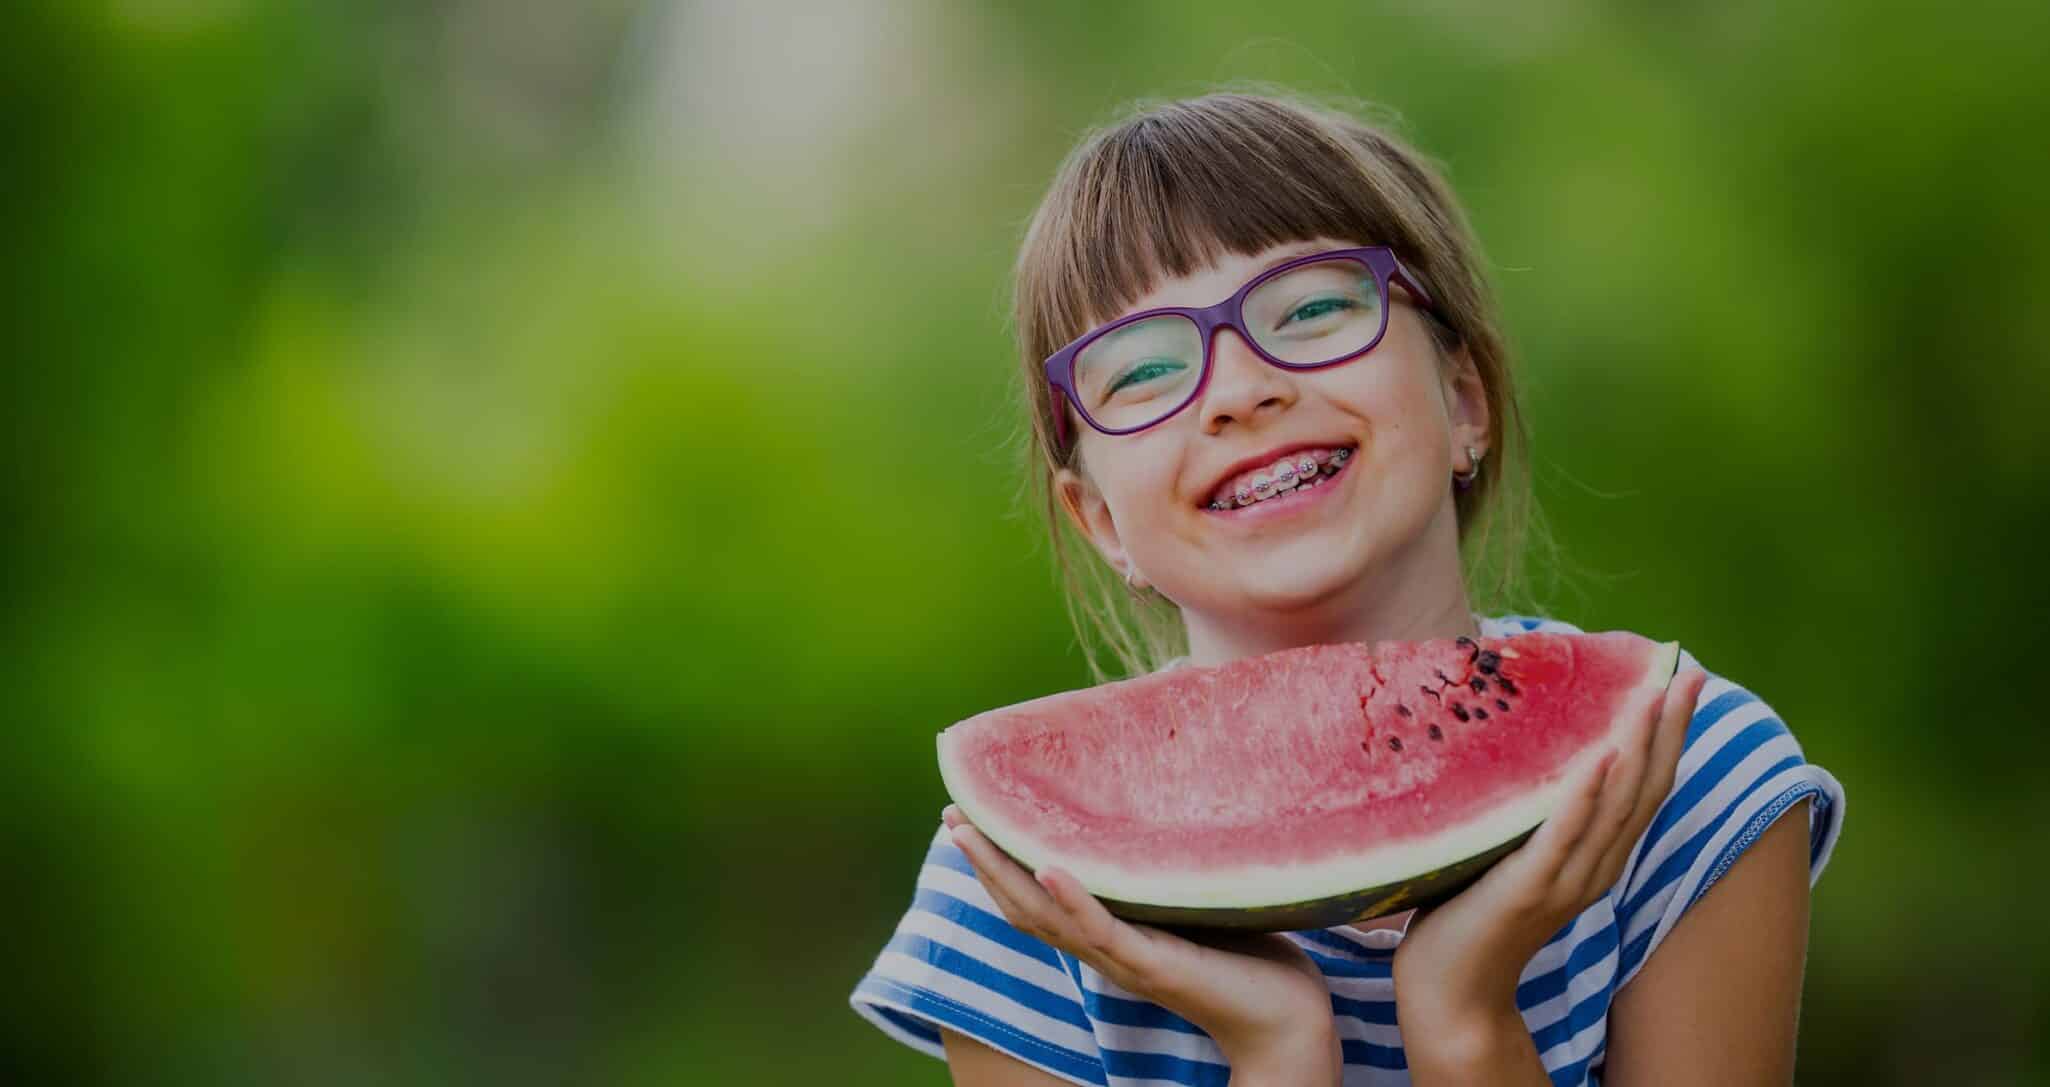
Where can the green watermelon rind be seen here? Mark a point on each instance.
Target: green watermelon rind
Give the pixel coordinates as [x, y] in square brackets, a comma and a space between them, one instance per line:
[1282, 898]
[1427, 889]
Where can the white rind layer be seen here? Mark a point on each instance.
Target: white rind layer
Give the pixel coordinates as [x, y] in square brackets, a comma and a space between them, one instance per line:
[1257, 885]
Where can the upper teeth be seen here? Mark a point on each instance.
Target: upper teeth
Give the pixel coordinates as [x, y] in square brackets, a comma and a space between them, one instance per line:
[1284, 475]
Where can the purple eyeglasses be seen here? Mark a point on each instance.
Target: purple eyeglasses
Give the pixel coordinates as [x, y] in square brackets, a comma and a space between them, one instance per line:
[1308, 313]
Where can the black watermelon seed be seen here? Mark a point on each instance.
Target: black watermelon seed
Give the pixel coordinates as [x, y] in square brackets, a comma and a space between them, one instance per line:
[1507, 687]
[1363, 745]
[1394, 743]
[1402, 709]
[1488, 661]
[1478, 684]
[1480, 714]
[1501, 705]
[1428, 691]
[1437, 733]
[1463, 642]
[1459, 711]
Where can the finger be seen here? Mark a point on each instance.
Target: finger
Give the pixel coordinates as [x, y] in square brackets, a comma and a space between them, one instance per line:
[1668, 745]
[1671, 740]
[1120, 950]
[1523, 880]
[1025, 903]
[1680, 705]
[951, 815]
[993, 886]
[1617, 805]
[1548, 848]
[1054, 907]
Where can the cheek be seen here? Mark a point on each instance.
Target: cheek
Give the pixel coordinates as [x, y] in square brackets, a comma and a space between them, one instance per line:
[1406, 434]
[1403, 408]
[1138, 485]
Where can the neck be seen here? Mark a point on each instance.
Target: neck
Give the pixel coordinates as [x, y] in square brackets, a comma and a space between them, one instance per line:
[1417, 594]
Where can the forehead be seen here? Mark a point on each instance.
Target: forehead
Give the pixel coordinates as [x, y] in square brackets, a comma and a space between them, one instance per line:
[1216, 281]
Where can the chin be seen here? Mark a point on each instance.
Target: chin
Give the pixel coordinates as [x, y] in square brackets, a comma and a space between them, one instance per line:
[1293, 590]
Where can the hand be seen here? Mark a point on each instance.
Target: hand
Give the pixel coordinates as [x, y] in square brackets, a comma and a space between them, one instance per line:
[1259, 997]
[1458, 965]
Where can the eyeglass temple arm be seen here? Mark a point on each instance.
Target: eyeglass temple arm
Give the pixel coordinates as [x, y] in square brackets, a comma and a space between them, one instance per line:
[1402, 276]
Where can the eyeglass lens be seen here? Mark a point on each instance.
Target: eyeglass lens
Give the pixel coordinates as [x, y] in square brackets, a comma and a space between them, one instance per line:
[1141, 373]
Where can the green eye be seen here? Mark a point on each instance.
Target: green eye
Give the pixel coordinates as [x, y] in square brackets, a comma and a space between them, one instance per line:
[1310, 311]
[1147, 371]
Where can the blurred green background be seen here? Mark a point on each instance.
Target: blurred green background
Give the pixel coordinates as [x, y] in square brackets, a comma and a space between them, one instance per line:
[499, 496]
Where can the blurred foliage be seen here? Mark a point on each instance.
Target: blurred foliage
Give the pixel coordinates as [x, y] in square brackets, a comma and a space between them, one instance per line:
[502, 494]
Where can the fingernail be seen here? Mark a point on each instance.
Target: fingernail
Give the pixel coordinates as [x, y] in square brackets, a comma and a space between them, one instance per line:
[950, 815]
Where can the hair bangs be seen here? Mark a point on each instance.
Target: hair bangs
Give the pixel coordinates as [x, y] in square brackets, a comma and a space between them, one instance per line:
[1170, 194]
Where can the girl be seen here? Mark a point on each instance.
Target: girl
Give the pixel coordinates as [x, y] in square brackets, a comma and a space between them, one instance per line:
[1300, 463]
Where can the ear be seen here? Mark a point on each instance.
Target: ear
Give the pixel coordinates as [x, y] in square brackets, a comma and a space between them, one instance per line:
[1085, 506]
[1466, 405]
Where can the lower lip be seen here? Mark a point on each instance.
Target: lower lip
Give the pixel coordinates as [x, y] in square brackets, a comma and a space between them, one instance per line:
[1298, 499]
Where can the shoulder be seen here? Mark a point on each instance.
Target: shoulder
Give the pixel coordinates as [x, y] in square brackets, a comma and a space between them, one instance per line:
[1720, 1000]
[955, 962]
[1509, 626]
[1740, 770]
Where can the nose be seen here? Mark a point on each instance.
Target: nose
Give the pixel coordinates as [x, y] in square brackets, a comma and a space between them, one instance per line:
[1242, 385]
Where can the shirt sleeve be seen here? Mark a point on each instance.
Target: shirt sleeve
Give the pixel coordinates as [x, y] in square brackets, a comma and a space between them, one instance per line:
[955, 962]
[1739, 772]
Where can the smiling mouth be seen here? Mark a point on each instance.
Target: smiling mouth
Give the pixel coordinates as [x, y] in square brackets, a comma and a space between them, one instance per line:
[1300, 471]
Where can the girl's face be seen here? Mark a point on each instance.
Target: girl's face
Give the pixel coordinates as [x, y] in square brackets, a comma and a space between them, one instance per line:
[1380, 533]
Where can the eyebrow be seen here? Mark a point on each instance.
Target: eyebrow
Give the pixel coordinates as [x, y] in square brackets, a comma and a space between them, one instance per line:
[1300, 249]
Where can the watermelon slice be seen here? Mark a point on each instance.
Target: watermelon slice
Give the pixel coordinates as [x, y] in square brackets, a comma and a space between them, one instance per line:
[1306, 788]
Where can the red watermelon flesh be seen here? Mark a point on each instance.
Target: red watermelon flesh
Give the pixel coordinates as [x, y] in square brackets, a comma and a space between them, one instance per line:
[1302, 788]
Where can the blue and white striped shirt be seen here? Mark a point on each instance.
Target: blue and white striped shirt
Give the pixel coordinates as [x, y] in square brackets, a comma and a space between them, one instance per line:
[955, 962]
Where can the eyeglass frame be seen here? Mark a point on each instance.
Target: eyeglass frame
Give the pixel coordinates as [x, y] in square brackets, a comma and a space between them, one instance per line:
[1060, 366]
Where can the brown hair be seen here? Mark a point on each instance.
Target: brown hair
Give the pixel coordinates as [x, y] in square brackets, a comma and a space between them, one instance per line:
[1171, 187]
